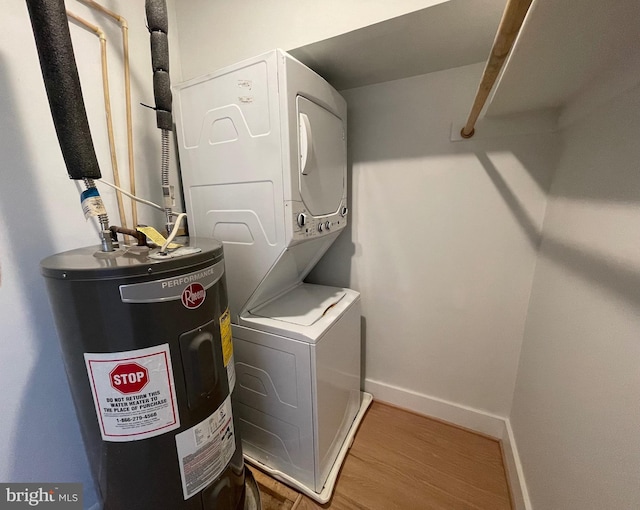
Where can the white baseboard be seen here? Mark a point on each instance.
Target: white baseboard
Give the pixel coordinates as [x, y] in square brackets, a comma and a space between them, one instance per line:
[513, 466]
[489, 424]
[467, 417]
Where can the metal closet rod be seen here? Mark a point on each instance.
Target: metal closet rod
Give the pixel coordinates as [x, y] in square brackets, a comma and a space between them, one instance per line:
[510, 24]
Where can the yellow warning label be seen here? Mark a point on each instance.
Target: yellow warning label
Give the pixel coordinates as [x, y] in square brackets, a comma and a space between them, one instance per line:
[225, 334]
[156, 237]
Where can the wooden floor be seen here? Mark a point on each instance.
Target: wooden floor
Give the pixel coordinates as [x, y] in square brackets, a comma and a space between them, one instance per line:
[400, 460]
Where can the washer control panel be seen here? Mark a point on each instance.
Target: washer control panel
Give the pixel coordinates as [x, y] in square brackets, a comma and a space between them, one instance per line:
[306, 226]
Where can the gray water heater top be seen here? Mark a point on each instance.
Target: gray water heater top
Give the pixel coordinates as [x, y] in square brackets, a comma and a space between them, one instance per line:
[90, 263]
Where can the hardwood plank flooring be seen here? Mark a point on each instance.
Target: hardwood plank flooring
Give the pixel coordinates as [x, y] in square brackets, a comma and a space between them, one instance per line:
[274, 495]
[400, 460]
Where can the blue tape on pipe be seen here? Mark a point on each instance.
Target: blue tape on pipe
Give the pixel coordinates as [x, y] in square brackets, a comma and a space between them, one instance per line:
[91, 192]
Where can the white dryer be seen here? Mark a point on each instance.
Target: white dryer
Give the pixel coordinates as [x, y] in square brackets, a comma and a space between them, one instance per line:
[263, 159]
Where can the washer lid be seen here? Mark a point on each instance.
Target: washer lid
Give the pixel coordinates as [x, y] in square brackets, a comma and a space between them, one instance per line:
[322, 158]
[304, 305]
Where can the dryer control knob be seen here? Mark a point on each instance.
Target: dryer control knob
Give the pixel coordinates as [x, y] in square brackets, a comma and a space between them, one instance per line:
[320, 227]
[344, 211]
[302, 219]
[327, 225]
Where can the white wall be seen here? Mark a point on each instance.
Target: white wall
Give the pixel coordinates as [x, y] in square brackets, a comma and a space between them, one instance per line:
[218, 33]
[575, 411]
[443, 264]
[40, 215]
[442, 260]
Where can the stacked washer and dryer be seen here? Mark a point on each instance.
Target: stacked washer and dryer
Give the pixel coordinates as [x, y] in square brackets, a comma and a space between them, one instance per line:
[263, 158]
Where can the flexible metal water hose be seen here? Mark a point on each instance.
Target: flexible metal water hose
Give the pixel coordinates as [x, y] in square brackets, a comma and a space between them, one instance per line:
[166, 189]
[103, 220]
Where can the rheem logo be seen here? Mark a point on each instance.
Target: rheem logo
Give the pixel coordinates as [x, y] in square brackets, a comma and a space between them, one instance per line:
[193, 295]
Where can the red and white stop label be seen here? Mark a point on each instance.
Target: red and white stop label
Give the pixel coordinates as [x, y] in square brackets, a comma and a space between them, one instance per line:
[133, 392]
[129, 378]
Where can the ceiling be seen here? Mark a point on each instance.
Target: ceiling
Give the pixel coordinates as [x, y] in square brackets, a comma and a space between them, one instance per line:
[443, 36]
[562, 47]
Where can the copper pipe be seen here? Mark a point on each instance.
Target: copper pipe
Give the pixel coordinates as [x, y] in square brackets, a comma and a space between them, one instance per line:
[107, 106]
[140, 237]
[127, 95]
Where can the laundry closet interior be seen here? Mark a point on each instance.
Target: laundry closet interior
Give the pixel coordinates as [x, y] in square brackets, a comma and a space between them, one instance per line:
[483, 292]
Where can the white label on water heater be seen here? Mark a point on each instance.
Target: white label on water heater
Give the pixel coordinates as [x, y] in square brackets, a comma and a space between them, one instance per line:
[205, 450]
[134, 393]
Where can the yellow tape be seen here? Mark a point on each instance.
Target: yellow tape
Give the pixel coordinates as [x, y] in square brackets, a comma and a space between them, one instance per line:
[225, 334]
[156, 237]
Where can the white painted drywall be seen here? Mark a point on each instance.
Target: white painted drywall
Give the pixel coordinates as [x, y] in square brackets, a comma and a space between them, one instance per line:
[40, 215]
[443, 263]
[217, 33]
[575, 411]
[442, 242]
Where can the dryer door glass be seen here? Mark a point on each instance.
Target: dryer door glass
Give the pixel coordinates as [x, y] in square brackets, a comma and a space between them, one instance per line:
[322, 158]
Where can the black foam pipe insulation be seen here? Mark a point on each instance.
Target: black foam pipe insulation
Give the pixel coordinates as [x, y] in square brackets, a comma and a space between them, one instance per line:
[62, 83]
[158, 25]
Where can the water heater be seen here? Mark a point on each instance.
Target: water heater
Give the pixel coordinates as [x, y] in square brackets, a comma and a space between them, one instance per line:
[147, 350]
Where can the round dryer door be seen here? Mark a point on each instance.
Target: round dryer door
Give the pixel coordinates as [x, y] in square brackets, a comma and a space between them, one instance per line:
[322, 156]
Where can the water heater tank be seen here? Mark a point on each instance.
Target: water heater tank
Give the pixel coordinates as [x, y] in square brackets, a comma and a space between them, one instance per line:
[149, 359]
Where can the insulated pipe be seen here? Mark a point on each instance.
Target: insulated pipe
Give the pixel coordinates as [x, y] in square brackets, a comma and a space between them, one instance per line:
[158, 25]
[127, 95]
[62, 83]
[107, 108]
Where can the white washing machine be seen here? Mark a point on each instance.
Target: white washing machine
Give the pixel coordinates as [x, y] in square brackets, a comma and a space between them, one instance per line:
[263, 158]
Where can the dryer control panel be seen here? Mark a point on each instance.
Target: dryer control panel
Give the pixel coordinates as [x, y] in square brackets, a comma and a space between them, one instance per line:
[307, 226]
